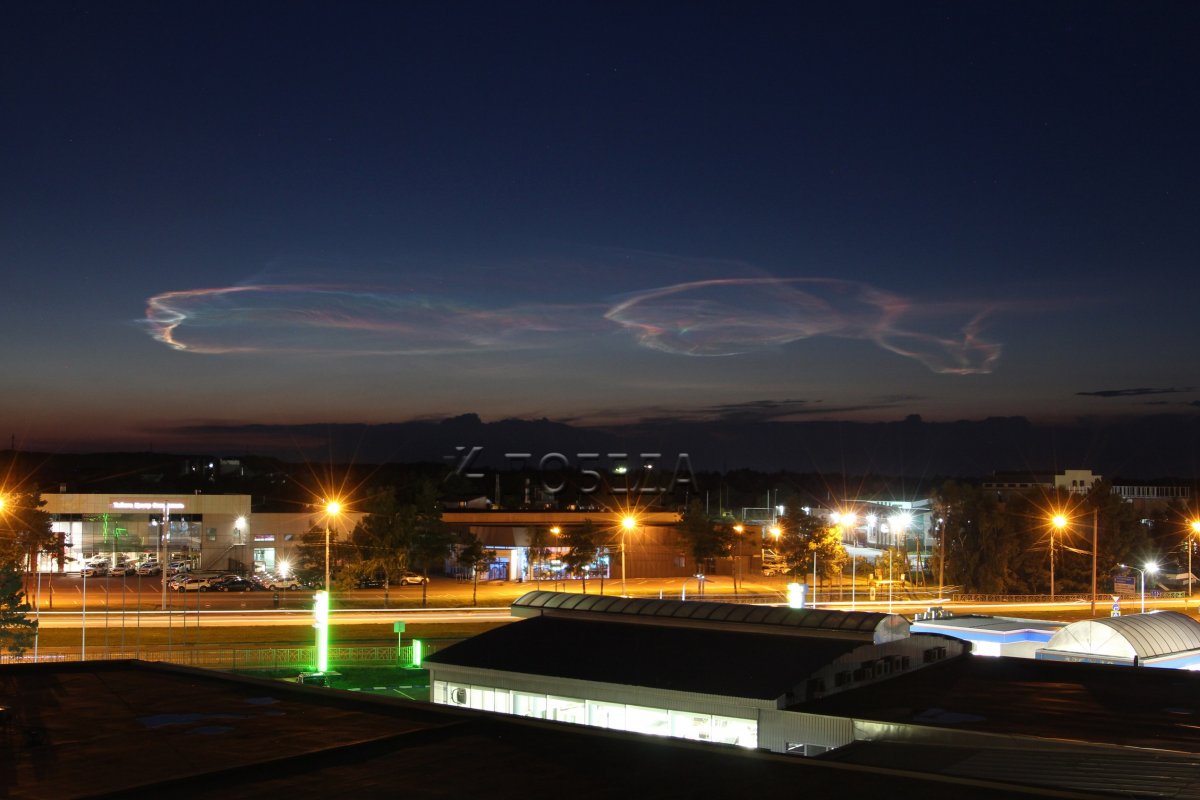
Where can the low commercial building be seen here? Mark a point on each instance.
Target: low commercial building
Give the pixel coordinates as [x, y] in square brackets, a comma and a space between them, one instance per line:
[1165, 639]
[715, 672]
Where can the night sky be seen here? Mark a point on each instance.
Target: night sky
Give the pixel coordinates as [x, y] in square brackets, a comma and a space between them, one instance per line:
[220, 213]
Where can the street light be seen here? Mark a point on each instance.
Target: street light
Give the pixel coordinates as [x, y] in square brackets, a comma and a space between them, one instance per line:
[332, 509]
[1151, 568]
[900, 521]
[1057, 523]
[1195, 530]
[738, 529]
[627, 524]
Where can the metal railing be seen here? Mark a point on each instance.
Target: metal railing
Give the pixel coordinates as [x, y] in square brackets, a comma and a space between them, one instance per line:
[225, 658]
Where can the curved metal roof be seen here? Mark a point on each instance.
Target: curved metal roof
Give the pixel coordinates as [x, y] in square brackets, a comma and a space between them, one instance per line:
[880, 626]
[1143, 635]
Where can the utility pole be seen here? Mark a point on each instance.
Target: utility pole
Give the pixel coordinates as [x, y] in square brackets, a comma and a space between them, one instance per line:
[1095, 552]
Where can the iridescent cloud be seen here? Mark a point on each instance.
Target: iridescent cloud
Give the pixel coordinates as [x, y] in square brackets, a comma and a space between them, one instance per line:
[729, 316]
[316, 319]
[718, 317]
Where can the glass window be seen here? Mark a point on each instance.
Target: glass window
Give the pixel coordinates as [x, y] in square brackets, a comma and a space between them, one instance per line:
[529, 705]
[606, 715]
[655, 721]
[566, 709]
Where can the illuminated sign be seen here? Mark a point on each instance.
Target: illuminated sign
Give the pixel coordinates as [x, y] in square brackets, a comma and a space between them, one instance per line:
[264, 537]
[147, 505]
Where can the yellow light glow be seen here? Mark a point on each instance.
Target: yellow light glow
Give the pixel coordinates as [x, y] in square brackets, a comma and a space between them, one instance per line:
[556, 530]
[1059, 521]
[1196, 526]
[849, 518]
[629, 523]
[776, 530]
[333, 508]
[738, 528]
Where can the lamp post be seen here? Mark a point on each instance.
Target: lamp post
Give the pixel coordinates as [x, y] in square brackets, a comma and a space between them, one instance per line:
[1195, 525]
[738, 529]
[627, 524]
[332, 509]
[1151, 568]
[1057, 523]
[901, 522]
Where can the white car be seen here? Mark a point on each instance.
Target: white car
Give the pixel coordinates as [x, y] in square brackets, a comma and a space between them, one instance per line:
[190, 584]
[275, 584]
[149, 568]
[412, 578]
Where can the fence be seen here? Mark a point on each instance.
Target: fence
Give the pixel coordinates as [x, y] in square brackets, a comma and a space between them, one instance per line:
[1061, 598]
[270, 658]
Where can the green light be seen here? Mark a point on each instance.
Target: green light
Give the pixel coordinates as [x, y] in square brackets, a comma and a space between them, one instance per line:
[416, 661]
[321, 623]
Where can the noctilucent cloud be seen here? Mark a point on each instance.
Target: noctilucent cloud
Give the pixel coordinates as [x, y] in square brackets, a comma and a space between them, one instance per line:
[279, 213]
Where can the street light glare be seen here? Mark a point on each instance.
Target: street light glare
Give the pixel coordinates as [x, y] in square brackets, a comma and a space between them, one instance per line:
[629, 523]
[1059, 521]
[1152, 567]
[333, 508]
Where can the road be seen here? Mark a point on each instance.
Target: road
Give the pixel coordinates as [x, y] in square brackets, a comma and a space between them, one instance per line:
[62, 601]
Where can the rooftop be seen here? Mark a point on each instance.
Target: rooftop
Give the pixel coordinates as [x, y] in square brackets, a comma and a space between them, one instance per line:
[131, 729]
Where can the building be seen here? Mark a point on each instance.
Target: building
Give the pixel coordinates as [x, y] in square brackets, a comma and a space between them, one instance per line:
[715, 672]
[133, 729]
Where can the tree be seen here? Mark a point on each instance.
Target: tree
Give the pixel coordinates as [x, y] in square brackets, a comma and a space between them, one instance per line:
[429, 541]
[705, 539]
[581, 539]
[805, 535]
[381, 538]
[24, 534]
[25, 531]
[473, 555]
[539, 550]
[16, 629]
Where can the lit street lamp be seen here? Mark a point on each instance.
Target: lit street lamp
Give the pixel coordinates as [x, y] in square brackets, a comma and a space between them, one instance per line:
[332, 509]
[1058, 522]
[627, 524]
[1151, 568]
[1195, 530]
[739, 529]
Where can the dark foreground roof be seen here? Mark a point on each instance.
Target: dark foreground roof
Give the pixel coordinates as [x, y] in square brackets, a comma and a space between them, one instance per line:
[130, 730]
[724, 662]
[1130, 706]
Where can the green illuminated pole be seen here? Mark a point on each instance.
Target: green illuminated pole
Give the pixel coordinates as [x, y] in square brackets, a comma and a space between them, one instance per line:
[321, 623]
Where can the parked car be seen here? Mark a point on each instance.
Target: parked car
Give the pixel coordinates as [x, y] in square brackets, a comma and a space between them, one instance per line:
[233, 583]
[175, 567]
[96, 569]
[276, 583]
[412, 577]
[190, 583]
[122, 570]
[150, 568]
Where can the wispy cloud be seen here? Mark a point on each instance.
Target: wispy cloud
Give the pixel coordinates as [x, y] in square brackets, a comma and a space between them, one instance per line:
[716, 317]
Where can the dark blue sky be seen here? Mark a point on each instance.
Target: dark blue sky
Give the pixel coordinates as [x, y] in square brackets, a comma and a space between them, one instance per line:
[365, 212]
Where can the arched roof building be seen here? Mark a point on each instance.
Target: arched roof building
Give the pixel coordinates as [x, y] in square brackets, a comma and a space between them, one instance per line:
[1159, 639]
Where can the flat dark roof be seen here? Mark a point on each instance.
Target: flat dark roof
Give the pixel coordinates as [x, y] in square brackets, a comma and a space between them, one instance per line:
[131, 729]
[725, 662]
[1130, 706]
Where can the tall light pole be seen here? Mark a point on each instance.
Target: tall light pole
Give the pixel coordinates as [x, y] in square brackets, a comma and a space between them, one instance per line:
[627, 524]
[1191, 543]
[332, 509]
[1057, 523]
[1151, 568]
[738, 529]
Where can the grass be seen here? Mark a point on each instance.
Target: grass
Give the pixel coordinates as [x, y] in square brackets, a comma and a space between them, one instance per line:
[213, 635]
